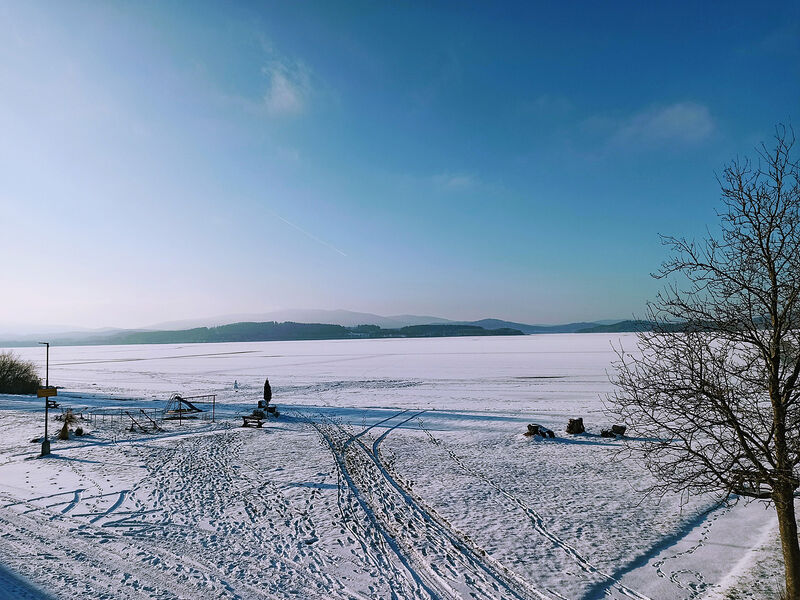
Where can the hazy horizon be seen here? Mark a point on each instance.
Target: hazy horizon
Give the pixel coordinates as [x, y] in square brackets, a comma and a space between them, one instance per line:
[27, 329]
[467, 160]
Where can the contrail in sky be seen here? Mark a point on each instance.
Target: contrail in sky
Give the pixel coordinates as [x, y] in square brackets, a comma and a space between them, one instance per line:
[309, 234]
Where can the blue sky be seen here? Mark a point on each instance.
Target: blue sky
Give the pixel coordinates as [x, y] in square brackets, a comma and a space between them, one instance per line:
[459, 159]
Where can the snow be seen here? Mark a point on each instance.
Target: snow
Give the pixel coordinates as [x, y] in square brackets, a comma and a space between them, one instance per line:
[397, 468]
[759, 570]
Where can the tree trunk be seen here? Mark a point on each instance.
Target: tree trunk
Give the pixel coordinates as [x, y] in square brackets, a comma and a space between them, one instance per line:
[787, 525]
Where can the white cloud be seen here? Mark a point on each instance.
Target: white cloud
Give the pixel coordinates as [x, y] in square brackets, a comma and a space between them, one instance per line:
[289, 88]
[683, 122]
[455, 181]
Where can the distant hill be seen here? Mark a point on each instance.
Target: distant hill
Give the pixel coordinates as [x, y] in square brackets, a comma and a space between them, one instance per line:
[234, 332]
[348, 318]
[301, 324]
[621, 327]
[273, 331]
[345, 318]
[531, 329]
[447, 330]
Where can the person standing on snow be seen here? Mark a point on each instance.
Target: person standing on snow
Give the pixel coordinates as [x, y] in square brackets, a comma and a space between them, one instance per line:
[267, 393]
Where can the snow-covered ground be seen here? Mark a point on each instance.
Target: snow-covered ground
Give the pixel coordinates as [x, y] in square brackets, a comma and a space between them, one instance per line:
[397, 469]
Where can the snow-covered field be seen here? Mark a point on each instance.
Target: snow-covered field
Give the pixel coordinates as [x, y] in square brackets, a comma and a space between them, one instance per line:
[397, 469]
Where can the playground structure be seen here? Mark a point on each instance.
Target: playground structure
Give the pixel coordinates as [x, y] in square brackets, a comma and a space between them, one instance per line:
[143, 422]
[179, 407]
[148, 420]
[143, 419]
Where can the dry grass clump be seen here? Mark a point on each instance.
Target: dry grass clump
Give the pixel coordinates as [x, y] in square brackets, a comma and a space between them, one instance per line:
[68, 417]
[64, 433]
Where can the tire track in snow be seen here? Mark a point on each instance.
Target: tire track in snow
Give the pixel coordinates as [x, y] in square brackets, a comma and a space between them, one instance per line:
[353, 438]
[259, 545]
[387, 539]
[480, 576]
[257, 537]
[122, 495]
[350, 521]
[477, 557]
[538, 524]
[72, 559]
[75, 499]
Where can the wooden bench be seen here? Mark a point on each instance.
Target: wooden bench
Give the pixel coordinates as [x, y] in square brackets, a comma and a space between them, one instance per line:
[251, 421]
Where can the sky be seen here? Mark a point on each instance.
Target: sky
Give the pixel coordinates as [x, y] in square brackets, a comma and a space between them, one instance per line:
[459, 159]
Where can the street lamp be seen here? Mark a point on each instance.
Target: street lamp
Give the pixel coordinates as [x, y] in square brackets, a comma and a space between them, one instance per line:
[46, 441]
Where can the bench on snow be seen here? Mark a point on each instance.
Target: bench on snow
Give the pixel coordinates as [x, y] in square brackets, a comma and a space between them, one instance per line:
[252, 421]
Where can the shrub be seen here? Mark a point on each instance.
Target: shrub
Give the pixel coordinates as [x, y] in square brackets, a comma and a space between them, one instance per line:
[79, 431]
[17, 376]
[68, 417]
[64, 433]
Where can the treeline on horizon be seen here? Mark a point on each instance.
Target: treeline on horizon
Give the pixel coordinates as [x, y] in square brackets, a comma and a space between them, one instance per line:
[273, 331]
[269, 331]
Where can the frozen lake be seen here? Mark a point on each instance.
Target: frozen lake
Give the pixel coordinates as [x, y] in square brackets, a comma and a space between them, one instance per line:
[562, 373]
[397, 468]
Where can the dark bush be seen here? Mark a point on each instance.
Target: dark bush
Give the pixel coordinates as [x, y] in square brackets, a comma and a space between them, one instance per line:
[64, 433]
[17, 376]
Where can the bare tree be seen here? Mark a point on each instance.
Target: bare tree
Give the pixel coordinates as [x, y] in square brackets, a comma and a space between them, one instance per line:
[714, 388]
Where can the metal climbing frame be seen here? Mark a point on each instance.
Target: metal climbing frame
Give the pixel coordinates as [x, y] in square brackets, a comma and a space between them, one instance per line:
[190, 407]
[119, 415]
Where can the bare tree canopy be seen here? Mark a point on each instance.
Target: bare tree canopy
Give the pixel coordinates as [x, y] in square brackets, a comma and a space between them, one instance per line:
[714, 388]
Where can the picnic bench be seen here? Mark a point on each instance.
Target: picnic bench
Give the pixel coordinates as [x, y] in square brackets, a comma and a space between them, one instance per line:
[252, 421]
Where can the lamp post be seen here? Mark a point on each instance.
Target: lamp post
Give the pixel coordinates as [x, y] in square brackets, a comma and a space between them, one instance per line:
[46, 441]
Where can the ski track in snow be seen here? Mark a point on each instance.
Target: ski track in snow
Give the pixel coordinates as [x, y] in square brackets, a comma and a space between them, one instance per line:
[438, 562]
[538, 524]
[406, 548]
[313, 505]
[257, 504]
